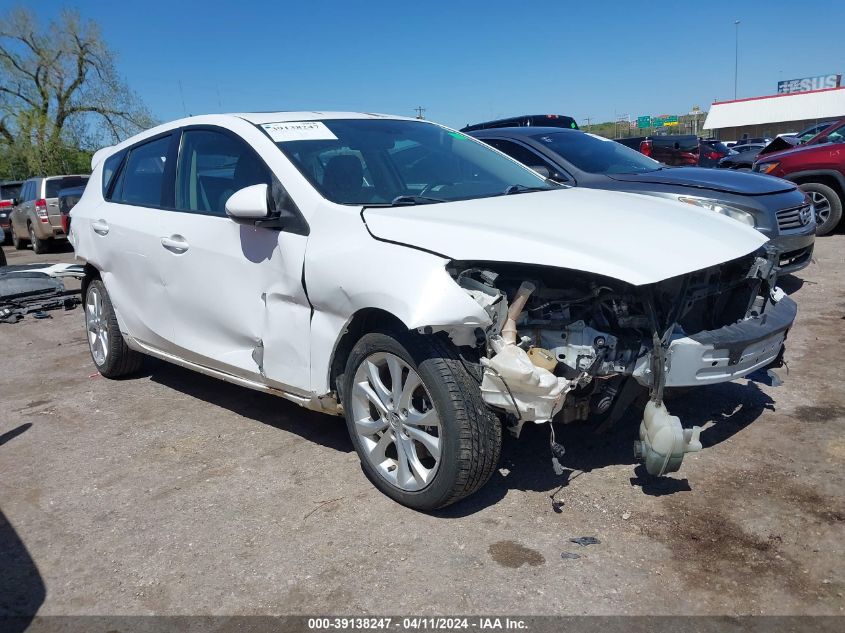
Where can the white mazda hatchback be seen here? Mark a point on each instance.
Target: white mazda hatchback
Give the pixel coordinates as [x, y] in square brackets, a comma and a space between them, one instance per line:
[417, 281]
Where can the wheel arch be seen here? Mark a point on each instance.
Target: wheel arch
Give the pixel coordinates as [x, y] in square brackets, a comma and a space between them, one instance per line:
[91, 273]
[364, 321]
[832, 179]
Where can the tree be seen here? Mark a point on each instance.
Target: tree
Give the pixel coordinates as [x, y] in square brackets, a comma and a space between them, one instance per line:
[59, 93]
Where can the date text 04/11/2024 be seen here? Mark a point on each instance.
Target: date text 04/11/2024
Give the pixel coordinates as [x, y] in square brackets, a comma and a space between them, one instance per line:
[416, 623]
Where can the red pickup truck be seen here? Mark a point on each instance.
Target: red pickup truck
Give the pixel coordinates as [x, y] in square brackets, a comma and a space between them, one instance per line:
[818, 167]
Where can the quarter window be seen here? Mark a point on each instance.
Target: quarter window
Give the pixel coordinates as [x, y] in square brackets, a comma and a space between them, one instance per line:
[142, 178]
[211, 167]
[110, 166]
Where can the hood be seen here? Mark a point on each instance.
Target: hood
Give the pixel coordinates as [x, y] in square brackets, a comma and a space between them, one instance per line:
[712, 179]
[800, 149]
[778, 144]
[637, 239]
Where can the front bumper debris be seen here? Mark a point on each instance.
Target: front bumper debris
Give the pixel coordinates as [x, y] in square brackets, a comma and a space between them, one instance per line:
[724, 354]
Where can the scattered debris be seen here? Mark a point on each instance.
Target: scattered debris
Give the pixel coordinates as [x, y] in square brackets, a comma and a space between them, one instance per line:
[585, 540]
[33, 289]
[569, 555]
[626, 516]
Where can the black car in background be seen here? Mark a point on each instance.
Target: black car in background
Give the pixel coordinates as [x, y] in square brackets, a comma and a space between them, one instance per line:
[68, 197]
[526, 120]
[750, 141]
[711, 151]
[742, 158]
[579, 159]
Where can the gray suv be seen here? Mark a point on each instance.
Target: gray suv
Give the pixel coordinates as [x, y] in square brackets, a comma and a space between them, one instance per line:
[35, 217]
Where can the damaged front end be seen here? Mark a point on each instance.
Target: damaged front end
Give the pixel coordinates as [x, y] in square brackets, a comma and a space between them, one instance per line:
[567, 345]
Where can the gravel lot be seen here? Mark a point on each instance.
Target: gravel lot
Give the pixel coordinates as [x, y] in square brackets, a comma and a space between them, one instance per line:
[174, 493]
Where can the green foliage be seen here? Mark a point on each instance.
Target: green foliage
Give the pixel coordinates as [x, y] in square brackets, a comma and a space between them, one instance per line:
[60, 96]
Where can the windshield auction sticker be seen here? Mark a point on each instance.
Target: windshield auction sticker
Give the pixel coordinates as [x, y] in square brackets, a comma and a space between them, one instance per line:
[284, 131]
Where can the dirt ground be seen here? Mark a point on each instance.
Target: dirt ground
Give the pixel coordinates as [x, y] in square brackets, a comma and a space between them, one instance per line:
[174, 493]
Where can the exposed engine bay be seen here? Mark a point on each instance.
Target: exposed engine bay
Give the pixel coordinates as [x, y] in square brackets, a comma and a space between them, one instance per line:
[564, 343]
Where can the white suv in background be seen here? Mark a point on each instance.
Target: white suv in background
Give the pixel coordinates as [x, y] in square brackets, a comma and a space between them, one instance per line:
[417, 281]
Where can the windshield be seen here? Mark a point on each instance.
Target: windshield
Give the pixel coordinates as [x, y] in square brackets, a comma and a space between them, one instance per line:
[387, 161]
[7, 192]
[597, 155]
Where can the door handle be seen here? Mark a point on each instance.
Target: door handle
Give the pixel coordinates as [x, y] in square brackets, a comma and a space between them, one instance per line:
[101, 227]
[52, 204]
[175, 244]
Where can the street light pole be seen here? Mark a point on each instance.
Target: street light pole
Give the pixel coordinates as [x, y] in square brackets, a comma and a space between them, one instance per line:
[736, 54]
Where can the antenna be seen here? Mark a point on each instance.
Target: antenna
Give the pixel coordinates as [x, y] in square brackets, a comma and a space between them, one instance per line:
[419, 110]
[182, 95]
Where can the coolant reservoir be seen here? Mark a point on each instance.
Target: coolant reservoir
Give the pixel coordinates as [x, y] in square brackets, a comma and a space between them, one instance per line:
[663, 441]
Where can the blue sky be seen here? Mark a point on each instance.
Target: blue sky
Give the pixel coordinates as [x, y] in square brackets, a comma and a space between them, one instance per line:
[462, 61]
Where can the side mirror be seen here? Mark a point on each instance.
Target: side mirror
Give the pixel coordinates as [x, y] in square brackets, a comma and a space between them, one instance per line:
[248, 204]
[542, 170]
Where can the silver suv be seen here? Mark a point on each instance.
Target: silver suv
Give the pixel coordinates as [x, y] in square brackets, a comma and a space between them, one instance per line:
[35, 217]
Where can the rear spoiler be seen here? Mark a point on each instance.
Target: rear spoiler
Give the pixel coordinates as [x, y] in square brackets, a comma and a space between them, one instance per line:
[100, 155]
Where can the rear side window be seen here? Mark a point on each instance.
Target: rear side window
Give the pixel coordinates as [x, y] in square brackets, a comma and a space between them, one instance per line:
[211, 167]
[54, 185]
[110, 167]
[142, 177]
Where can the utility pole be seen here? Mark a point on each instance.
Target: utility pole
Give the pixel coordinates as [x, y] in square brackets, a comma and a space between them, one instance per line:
[589, 125]
[419, 110]
[736, 55]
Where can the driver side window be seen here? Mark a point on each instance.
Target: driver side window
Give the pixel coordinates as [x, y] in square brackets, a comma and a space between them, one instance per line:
[211, 167]
[525, 156]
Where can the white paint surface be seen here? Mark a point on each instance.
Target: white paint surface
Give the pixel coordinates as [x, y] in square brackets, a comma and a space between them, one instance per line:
[236, 288]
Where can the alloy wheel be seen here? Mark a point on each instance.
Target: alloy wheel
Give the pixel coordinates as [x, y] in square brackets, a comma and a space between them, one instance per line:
[396, 422]
[98, 335]
[822, 206]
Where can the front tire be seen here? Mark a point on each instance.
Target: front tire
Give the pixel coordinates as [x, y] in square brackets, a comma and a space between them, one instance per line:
[828, 206]
[109, 351]
[423, 434]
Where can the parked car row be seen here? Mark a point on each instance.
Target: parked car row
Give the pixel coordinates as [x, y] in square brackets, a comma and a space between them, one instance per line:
[802, 158]
[817, 165]
[30, 210]
[429, 287]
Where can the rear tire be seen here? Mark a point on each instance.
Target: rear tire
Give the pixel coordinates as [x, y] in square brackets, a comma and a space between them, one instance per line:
[828, 203]
[17, 242]
[464, 435]
[109, 351]
[39, 246]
